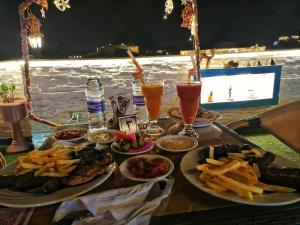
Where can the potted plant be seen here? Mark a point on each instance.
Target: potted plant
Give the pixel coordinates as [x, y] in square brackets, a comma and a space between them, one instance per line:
[12, 110]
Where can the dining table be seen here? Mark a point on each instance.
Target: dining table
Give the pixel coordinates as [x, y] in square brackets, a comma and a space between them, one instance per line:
[187, 205]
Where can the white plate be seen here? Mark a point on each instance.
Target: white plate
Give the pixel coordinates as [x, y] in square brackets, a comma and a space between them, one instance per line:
[126, 173]
[145, 149]
[26, 199]
[174, 113]
[188, 168]
[169, 137]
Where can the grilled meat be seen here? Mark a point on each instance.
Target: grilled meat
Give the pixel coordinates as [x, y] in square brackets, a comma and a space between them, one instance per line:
[23, 182]
[28, 181]
[92, 163]
[220, 151]
[289, 177]
[263, 162]
[7, 181]
[52, 185]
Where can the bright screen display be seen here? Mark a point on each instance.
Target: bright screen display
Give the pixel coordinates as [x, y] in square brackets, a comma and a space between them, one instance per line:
[243, 87]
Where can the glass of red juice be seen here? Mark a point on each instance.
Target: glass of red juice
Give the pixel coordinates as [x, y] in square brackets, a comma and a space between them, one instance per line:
[189, 94]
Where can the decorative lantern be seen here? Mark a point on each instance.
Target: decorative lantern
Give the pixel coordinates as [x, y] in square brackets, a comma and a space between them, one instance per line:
[35, 36]
[35, 41]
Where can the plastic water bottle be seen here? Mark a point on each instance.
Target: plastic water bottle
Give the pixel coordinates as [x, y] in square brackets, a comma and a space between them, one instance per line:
[139, 105]
[94, 92]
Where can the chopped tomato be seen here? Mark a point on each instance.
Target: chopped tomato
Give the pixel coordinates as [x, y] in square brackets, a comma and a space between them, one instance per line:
[124, 136]
[156, 171]
[143, 168]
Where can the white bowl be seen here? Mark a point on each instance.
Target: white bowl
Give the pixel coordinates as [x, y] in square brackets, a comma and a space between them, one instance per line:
[73, 140]
[159, 141]
[126, 173]
[99, 141]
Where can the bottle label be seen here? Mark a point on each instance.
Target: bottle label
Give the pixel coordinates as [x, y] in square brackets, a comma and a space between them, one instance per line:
[95, 107]
[138, 100]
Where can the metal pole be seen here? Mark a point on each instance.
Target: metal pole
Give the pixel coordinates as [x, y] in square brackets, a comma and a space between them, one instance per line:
[196, 40]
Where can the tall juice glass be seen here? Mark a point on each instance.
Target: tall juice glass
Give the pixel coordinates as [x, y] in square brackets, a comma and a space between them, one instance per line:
[153, 93]
[189, 94]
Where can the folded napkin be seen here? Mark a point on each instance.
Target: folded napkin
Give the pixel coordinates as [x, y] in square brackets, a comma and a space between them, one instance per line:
[130, 206]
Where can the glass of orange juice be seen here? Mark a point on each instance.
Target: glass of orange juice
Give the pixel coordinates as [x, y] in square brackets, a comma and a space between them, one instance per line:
[153, 93]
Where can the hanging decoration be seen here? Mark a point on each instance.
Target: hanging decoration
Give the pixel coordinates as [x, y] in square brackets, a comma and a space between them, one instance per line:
[169, 6]
[187, 15]
[62, 5]
[183, 2]
[43, 12]
[190, 20]
[35, 36]
[31, 34]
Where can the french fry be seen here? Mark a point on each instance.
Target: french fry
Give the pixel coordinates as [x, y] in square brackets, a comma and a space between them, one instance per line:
[232, 157]
[240, 185]
[275, 188]
[67, 162]
[248, 170]
[256, 169]
[237, 175]
[25, 171]
[66, 169]
[36, 159]
[215, 162]
[21, 158]
[212, 184]
[62, 151]
[215, 186]
[256, 152]
[245, 152]
[211, 152]
[239, 191]
[51, 170]
[44, 168]
[202, 167]
[42, 153]
[223, 159]
[29, 166]
[226, 168]
[58, 157]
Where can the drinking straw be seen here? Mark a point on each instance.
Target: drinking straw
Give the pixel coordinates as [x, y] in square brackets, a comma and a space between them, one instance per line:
[137, 74]
[140, 69]
[192, 71]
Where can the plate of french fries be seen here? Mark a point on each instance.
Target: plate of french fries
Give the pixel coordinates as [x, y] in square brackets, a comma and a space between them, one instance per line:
[234, 179]
[56, 163]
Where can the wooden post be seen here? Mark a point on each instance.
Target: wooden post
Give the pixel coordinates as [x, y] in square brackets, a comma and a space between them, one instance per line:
[196, 40]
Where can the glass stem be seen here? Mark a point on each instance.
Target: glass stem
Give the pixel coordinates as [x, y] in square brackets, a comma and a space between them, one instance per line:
[188, 127]
[153, 123]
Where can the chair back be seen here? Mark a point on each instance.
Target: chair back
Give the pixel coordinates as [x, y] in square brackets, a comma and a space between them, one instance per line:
[284, 123]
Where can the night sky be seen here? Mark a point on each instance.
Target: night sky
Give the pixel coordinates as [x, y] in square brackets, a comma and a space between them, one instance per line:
[92, 23]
